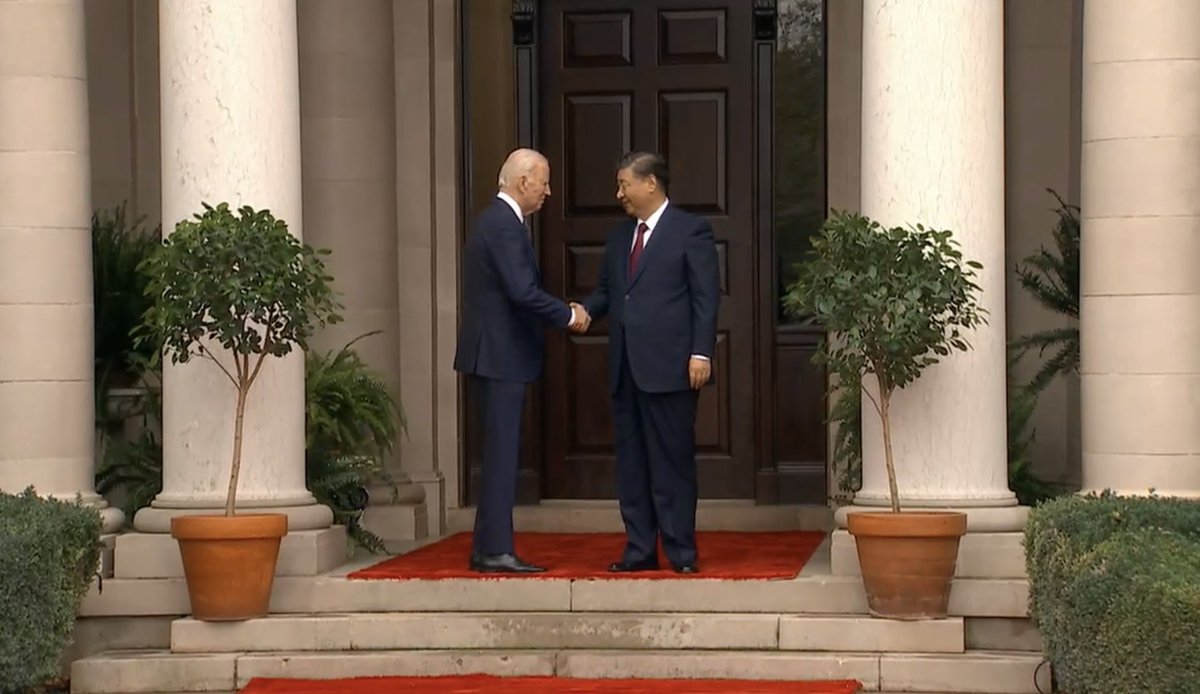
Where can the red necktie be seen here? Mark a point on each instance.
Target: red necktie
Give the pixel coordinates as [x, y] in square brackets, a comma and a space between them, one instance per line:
[638, 245]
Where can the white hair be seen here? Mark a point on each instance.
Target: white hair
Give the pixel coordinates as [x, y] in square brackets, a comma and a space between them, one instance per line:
[519, 163]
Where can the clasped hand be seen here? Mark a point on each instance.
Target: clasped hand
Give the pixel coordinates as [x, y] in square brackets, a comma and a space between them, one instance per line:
[581, 321]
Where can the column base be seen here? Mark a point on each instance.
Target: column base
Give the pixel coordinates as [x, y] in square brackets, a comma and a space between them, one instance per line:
[307, 517]
[398, 525]
[396, 513]
[111, 520]
[434, 484]
[982, 519]
[403, 491]
[301, 553]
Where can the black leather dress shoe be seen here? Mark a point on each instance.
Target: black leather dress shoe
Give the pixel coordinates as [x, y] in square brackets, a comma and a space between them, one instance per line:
[501, 564]
[687, 569]
[629, 566]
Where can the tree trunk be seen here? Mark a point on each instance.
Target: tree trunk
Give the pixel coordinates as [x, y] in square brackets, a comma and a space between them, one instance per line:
[235, 467]
[884, 401]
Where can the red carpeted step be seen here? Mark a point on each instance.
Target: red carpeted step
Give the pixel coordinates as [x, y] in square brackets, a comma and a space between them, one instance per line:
[728, 555]
[488, 684]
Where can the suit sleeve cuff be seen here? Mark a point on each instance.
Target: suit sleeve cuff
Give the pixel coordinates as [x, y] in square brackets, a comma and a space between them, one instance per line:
[700, 356]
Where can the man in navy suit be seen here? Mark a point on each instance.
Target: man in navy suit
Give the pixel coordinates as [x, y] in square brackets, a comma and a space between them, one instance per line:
[501, 345]
[659, 286]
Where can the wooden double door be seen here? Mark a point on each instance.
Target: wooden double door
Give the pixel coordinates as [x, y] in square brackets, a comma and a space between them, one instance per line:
[605, 77]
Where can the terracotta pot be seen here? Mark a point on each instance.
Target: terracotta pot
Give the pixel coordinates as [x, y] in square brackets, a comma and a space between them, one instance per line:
[229, 563]
[907, 560]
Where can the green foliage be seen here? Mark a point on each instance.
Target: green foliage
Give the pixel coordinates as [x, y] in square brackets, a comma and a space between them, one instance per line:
[1115, 591]
[49, 553]
[132, 468]
[1029, 488]
[351, 422]
[897, 300]
[119, 294]
[1053, 281]
[350, 425]
[241, 281]
[846, 416]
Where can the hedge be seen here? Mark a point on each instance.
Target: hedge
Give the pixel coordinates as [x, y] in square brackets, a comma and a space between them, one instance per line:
[49, 553]
[1115, 592]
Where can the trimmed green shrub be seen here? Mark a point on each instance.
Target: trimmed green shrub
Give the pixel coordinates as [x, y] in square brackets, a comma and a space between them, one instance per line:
[1115, 592]
[49, 553]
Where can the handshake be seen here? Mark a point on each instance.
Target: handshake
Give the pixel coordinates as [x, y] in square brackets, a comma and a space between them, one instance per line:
[580, 320]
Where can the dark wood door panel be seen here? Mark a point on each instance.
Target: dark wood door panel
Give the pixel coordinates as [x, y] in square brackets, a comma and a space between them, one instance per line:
[662, 75]
[696, 80]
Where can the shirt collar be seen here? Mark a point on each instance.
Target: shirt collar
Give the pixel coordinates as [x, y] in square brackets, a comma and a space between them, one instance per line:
[513, 204]
[652, 220]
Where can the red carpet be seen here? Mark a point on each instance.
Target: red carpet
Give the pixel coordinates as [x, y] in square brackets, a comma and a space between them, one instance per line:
[737, 555]
[481, 684]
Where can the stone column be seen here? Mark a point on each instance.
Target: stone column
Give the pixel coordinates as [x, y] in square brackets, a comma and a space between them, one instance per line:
[47, 411]
[427, 200]
[1140, 322]
[231, 133]
[933, 153]
[348, 126]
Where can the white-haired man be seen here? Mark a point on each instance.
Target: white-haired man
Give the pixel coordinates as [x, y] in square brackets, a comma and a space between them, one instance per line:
[501, 345]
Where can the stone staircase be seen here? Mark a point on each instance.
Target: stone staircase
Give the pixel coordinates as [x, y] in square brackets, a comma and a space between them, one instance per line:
[811, 627]
[323, 625]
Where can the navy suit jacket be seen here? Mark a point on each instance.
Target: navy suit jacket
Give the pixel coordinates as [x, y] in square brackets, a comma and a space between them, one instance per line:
[504, 308]
[667, 311]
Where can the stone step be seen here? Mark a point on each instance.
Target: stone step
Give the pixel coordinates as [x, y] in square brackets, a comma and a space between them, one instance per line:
[824, 594]
[573, 630]
[974, 672]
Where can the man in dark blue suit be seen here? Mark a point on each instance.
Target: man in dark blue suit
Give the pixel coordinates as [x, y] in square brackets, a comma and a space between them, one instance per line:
[501, 345]
[659, 286]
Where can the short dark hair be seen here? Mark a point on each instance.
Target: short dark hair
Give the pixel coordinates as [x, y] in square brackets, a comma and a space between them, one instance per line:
[645, 164]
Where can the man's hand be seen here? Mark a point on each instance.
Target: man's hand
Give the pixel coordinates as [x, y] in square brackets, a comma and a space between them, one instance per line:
[581, 321]
[699, 371]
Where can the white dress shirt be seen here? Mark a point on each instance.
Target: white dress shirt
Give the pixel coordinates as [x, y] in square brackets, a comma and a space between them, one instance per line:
[517, 211]
[513, 204]
[651, 222]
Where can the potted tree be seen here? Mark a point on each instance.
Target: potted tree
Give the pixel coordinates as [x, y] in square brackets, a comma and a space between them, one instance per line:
[235, 290]
[895, 301]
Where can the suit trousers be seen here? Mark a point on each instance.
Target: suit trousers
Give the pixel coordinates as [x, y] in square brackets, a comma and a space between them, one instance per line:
[656, 470]
[501, 404]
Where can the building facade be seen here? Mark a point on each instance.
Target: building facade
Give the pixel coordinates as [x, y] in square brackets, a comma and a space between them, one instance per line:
[375, 128]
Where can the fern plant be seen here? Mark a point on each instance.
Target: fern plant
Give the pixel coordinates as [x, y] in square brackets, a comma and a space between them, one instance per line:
[132, 468]
[119, 246]
[1029, 488]
[1052, 278]
[351, 423]
[846, 416]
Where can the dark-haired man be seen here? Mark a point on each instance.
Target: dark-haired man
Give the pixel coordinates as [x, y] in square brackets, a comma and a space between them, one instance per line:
[659, 286]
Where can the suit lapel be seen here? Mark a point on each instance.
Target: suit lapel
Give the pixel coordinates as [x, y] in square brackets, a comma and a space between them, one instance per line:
[622, 259]
[657, 236]
[506, 213]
